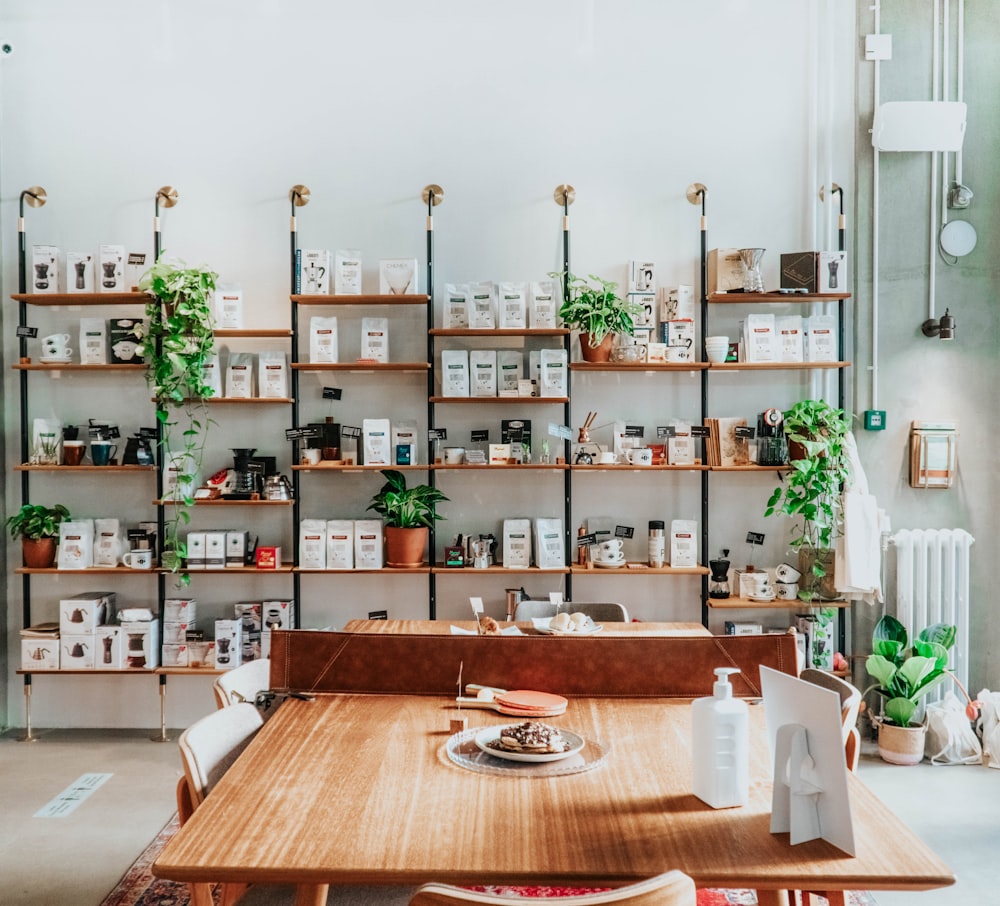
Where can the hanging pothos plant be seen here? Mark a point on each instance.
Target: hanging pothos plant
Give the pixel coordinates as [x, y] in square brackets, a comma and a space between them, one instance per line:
[180, 337]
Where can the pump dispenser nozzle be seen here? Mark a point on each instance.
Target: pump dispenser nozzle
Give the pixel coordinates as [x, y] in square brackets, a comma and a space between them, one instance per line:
[722, 687]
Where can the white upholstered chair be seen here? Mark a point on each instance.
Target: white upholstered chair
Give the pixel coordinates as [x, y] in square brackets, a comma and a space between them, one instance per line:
[241, 684]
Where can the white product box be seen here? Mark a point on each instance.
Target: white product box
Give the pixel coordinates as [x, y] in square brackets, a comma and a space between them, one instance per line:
[313, 272]
[543, 304]
[76, 652]
[229, 308]
[677, 303]
[44, 276]
[376, 434]
[180, 610]
[397, 276]
[734, 627]
[641, 277]
[454, 372]
[832, 272]
[483, 372]
[40, 654]
[111, 269]
[339, 544]
[550, 551]
[482, 315]
[683, 543]
[456, 305]
[93, 341]
[109, 648]
[499, 454]
[237, 545]
[368, 544]
[249, 614]
[512, 305]
[277, 614]
[347, 272]
[215, 550]
[175, 632]
[516, 543]
[790, 338]
[195, 550]
[375, 339]
[228, 644]
[645, 318]
[656, 352]
[820, 338]
[312, 544]
[135, 267]
[679, 335]
[79, 272]
[141, 641]
[174, 655]
[83, 613]
[724, 271]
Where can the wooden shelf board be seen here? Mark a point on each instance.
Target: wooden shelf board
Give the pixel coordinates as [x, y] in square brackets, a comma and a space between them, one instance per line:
[234, 570]
[82, 298]
[750, 468]
[776, 366]
[226, 502]
[777, 297]
[623, 467]
[497, 570]
[641, 569]
[522, 467]
[362, 299]
[735, 603]
[252, 334]
[75, 366]
[119, 468]
[499, 332]
[638, 367]
[360, 367]
[341, 467]
[187, 671]
[89, 571]
[510, 400]
[124, 671]
[252, 401]
[411, 570]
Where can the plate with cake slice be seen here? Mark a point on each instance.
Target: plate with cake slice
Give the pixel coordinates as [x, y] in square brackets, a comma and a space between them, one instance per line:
[529, 741]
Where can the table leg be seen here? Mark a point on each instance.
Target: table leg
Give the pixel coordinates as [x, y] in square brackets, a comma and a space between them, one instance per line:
[772, 898]
[311, 894]
[201, 894]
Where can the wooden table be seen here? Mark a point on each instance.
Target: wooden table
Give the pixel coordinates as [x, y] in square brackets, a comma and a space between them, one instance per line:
[443, 627]
[357, 789]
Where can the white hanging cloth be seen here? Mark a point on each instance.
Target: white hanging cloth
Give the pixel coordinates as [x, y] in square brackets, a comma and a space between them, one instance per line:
[858, 565]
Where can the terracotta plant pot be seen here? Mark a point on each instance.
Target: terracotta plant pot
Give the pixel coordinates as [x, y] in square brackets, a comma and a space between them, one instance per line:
[404, 547]
[599, 353]
[901, 745]
[39, 553]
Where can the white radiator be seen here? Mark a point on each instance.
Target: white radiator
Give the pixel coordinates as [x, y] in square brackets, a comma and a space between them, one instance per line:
[932, 585]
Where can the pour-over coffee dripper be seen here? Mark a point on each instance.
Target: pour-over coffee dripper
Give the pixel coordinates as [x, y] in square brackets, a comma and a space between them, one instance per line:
[718, 585]
[245, 479]
[753, 282]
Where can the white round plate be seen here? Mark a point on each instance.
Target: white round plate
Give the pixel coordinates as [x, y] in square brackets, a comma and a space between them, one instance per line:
[54, 360]
[762, 599]
[491, 734]
[548, 630]
[610, 564]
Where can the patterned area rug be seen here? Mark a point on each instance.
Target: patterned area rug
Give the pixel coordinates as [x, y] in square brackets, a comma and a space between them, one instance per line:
[138, 887]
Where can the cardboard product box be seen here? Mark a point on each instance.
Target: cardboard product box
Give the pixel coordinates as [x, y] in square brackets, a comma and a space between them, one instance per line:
[517, 433]
[268, 557]
[278, 614]
[93, 341]
[175, 632]
[180, 610]
[237, 545]
[251, 646]
[83, 613]
[368, 544]
[725, 271]
[734, 627]
[201, 654]
[831, 276]
[141, 639]
[79, 272]
[40, 654]
[228, 644]
[677, 303]
[249, 614]
[174, 655]
[111, 269]
[195, 550]
[109, 648]
[312, 272]
[135, 267]
[815, 272]
[641, 277]
[44, 276]
[397, 276]
[76, 652]
[124, 334]
[215, 550]
[645, 318]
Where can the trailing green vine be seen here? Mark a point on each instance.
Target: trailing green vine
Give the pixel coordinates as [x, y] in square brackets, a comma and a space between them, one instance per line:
[179, 339]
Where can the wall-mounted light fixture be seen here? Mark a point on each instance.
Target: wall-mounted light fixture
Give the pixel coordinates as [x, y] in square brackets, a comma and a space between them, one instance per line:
[943, 329]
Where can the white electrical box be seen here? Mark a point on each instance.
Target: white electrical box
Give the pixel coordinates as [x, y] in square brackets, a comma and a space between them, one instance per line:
[919, 126]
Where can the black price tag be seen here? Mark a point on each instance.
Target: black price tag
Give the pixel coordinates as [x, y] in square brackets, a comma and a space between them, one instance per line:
[745, 431]
[437, 434]
[378, 614]
[255, 468]
[349, 431]
[666, 431]
[147, 433]
[301, 433]
[700, 431]
[332, 393]
[634, 431]
[27, 332]
[479, 437]
[755, 537]
[586, 540]
[624, 531]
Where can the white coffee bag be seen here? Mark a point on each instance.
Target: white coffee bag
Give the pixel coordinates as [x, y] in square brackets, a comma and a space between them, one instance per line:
[368, 544]
[554, 366]
[456, 305]
[323, 339]
[512, 305]
[376, 436]
[76, 544]
[93, 341]
[272, 375]
[549, 544]
[228, 307]
[483, 372]
[510, 367]
[312, 544]
[240, 376]
[347, 272]
[481, 310]
[517, 543]
[340, 544]
[454, 372]
[211, 373]
[375, 339]
[108, 542]
[683, 543]
[543, 304]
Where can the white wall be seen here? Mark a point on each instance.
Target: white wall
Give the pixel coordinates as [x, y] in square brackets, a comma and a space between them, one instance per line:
[365, 103]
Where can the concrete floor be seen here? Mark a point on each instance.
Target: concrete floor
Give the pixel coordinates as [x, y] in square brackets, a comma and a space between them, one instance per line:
[76, 860]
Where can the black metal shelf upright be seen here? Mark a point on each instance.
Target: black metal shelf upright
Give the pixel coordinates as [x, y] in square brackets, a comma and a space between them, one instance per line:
[564, 196]
[432, 195]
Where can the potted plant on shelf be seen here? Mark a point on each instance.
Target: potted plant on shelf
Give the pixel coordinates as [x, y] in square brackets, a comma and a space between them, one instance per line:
[594, 307]
[179, 338]
[811, 491]
[409, 513]
[903, 675]
[38, 528]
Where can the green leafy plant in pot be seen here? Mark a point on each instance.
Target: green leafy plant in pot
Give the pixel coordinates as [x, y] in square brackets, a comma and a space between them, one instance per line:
[179, 338]
[594, 307]
[408, 514]
[811, 491]
[38, 528]
[903, 675]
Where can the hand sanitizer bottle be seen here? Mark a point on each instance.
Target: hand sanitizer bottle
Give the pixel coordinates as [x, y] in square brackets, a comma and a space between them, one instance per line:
[720, 746]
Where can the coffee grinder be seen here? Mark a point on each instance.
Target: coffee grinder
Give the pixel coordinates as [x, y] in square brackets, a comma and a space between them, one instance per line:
[718, 585]
[772, 446]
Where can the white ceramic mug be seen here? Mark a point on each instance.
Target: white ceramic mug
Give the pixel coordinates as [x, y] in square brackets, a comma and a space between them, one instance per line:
[607, 458]
[138, 559]
[678, 354]
[311, 456]
[454, 456]
[785, 572]
[611, 549]
[55, 340]
[761, 584]
[787, 591]
[641, 456]
[57, 352]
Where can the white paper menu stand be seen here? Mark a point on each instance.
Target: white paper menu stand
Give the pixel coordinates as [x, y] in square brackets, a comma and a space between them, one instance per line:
[810, 798]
